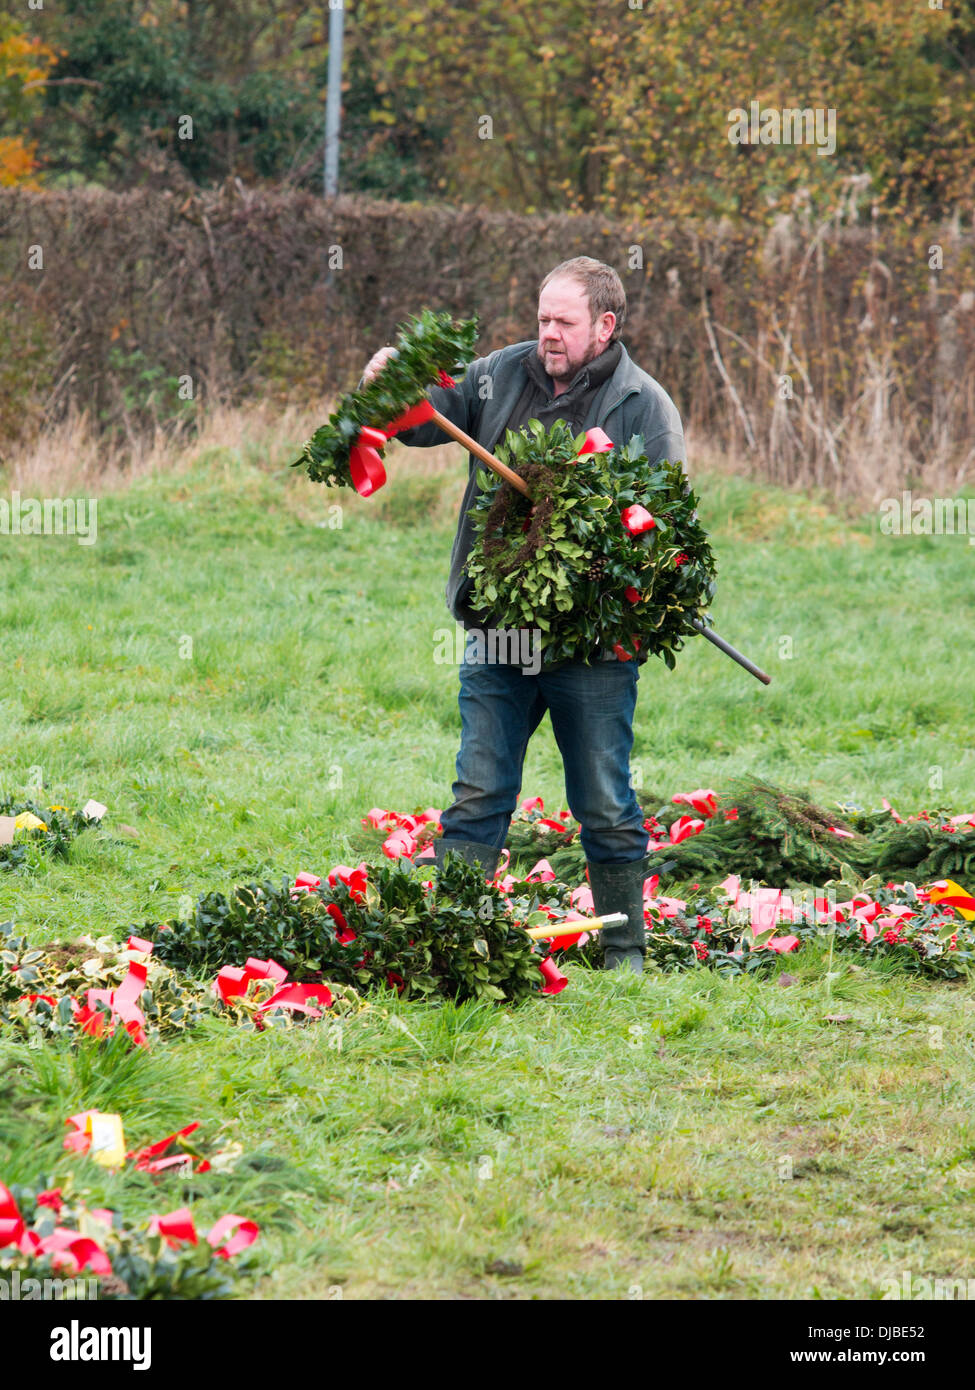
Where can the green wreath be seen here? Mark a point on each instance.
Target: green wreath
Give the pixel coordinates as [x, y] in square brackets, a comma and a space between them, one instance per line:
[427, 348]
[563, 560]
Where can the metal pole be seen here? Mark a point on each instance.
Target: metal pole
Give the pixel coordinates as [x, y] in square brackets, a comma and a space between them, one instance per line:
[731, 651]
[333, 99]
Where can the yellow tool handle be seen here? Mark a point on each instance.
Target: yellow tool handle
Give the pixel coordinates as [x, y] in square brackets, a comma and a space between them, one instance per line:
[612, 919]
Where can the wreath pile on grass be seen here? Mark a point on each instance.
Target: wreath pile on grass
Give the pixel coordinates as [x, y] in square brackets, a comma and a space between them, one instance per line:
[606, 551]
[41, 829]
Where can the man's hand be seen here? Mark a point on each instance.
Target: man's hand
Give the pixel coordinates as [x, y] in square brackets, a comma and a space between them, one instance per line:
[377, 362]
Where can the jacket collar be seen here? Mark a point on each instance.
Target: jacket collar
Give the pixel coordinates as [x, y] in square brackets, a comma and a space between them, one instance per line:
[626, 380]
[592, 375]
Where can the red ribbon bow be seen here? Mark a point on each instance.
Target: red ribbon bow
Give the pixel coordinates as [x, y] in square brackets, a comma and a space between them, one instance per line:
[365, 464]
[365, 461]
[555, 981]
[151, 1160]
[120, 1002]
[637, 519]
[597, 441]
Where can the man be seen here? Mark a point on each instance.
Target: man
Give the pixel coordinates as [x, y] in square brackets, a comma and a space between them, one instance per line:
[577, 370]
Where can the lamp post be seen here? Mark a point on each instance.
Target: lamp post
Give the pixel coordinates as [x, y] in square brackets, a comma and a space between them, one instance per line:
[333, 97]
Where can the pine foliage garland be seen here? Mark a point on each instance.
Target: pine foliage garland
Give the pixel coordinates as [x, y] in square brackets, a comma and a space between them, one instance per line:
[426, 347]
[777, 835]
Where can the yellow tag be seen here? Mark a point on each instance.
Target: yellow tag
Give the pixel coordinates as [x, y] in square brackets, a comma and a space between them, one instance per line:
[947, 888]
[107, 1139]
[28, 821]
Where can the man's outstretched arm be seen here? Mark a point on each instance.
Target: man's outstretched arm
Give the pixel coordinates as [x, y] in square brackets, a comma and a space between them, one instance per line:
[459, 403]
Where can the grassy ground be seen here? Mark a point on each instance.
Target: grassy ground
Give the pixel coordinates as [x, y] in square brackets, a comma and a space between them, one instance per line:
[240, 678]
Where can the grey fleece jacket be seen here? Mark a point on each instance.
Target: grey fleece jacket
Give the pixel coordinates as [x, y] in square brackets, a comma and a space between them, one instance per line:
[629, 403]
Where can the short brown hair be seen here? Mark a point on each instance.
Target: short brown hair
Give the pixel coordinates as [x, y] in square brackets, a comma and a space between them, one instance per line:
[603, 287]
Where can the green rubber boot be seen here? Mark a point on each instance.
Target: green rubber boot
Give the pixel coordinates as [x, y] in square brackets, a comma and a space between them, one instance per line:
[472, 850]
[619, 888]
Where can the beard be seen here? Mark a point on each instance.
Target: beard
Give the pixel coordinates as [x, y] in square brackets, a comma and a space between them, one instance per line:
[564, 368]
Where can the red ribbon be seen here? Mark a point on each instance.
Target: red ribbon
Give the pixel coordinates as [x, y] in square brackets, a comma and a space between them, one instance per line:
[354, 879]
[129, 991]
[417, 414]
[345, 934]
[597, 441]
[150, 1160]
[228, 1236]
[180, 1160]
[11, 1231]
[232, 982]
[703, 800]
[11, 1223]
[366, 468]
[400, 844]
[683, 827]
[296, 997]
[265, 970]
[621, 652]
[121, 1002]
[555, 981]
[307, 880]
[637, 519]
[552, 825]
[560, 943]
[246, 1234]
[176, 1226]
[76, 1251]
[65, 1247]
[79, 1141]
[365, 463]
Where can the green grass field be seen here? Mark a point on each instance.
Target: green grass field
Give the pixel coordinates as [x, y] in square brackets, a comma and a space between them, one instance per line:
[240, 679]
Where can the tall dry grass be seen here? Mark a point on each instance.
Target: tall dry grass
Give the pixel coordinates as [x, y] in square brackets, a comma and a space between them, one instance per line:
[821, 352]
[71, 457]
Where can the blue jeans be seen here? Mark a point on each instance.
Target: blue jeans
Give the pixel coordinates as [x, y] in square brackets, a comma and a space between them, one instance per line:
[592, 718]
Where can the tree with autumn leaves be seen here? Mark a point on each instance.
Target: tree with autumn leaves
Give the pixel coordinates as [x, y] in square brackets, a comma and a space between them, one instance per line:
[623, 108]
[614, 106]
[25, 62]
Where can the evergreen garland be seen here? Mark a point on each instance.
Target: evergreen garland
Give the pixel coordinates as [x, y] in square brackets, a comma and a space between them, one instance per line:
[426, 348]
[777, 835]
[563, 561]
[457, 940]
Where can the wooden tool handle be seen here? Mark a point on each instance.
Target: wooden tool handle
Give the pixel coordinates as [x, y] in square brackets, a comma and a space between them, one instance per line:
[479, 451]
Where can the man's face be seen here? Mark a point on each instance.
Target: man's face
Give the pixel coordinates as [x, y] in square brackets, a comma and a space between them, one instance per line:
[567, 336]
